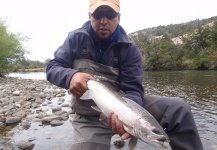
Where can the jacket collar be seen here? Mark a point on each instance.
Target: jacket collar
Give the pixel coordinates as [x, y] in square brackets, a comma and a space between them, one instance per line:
[122, 35]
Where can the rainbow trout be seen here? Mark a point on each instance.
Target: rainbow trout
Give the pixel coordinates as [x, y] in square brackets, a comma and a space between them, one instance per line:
[136, 120]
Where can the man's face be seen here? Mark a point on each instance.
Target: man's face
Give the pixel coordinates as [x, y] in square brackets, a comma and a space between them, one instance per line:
[104, 21]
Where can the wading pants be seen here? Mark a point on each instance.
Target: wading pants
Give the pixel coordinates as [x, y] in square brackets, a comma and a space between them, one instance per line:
[173, 114]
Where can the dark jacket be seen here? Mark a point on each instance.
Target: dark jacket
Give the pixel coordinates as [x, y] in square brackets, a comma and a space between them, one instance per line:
[79, 45]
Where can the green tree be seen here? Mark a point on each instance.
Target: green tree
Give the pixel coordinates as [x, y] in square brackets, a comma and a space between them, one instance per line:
[11, 49]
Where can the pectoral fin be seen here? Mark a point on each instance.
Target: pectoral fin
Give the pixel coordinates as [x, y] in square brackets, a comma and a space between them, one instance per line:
[96, 108]
[132, 143]
[102, 117]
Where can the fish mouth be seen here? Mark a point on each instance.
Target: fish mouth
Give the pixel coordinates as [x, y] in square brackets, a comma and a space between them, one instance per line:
[160, 141]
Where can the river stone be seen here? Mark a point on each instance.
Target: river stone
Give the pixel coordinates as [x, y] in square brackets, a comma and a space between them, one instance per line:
[58, 95]
[48, 119]
[38, 100]
[4, 101]
[16, 93]
[12, 120]
[25, 125]
[56, 108]
[65, 105]
[56, 123]
[1, 94]
[46, 90]
[2, 119]
[2, 124]
[41, 115]
[32, 139]
[21, 114]
[25, 145]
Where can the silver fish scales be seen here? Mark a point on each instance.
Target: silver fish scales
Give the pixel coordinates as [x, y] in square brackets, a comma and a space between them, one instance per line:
[136, 120]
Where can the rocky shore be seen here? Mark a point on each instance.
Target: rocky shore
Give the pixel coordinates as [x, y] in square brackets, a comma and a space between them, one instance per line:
[36, 115]
[26, 101]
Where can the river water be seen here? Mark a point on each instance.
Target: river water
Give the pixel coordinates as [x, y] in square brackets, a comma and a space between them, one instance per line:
[198, 88]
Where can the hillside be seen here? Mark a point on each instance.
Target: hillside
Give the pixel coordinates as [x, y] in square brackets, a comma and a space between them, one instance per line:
[190, 45]
[176, 30]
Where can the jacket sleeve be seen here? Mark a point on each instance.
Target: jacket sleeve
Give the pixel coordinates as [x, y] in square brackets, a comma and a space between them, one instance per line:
[131, 74]
[59, 70]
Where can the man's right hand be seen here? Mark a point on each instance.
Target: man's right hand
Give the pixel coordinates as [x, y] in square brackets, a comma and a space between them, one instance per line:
[78, 83]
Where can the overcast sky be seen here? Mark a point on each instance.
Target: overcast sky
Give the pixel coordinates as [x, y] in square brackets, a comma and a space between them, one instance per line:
[47, 22]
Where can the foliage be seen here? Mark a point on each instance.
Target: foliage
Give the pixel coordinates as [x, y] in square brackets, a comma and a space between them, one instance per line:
[11, 49]
[197, 49]
[26, 65]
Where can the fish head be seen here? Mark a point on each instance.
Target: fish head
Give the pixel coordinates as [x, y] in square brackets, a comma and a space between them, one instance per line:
[151, 133]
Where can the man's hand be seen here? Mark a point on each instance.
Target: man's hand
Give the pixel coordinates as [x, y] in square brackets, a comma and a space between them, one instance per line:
[117, 127]
[78, 83]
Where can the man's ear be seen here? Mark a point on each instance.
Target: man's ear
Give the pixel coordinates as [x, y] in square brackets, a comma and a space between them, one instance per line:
[119, 17]
[89, 14]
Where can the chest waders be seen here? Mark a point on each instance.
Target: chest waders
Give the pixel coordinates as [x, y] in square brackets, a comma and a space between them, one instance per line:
[174, 115]
[110, 78]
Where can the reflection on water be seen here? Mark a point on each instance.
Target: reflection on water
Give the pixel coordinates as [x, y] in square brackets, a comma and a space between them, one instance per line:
[29, 75]
[198, 88]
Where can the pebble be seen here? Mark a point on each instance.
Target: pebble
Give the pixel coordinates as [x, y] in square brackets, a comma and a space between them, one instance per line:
[56, 123]
[27, 100]
[16, 93]
[23, 145]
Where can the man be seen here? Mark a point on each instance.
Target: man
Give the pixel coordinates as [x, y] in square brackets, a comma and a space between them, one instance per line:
[101, 47]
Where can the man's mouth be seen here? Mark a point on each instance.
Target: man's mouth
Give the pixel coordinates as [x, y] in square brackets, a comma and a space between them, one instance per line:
[103, 29]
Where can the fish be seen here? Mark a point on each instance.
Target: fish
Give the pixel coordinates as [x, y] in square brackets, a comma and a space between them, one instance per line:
[135, 119]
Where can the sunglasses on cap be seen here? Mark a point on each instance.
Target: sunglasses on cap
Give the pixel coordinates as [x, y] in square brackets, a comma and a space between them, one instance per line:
[99, 14]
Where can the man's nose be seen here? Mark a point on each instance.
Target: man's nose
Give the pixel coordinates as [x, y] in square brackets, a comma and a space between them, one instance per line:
[104, 19]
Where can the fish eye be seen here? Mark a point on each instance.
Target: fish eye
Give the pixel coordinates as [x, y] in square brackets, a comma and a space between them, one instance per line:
[162, 139]
[156, 130]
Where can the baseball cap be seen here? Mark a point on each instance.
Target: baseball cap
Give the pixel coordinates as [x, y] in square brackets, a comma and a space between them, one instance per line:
[114, 4]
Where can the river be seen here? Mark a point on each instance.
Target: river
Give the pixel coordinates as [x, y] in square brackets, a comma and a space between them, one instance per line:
[198, 88]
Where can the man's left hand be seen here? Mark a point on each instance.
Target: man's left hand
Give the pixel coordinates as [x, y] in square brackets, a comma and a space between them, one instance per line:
[117, 127]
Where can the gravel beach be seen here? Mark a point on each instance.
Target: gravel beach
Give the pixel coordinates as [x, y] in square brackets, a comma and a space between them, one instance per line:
[39, 115]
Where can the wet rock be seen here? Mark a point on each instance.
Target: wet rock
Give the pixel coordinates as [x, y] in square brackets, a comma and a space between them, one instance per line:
[46, 90]
[44, 104]
[2, 120]
[38, 100]
[58, 95]
[1, 93]
[119, 144]
[65, 105]
[17, 105]
[37, 120]
[2, 124]
[25, 125]
[26, 104]
[35, 105]
[58, 113]
[12, 120]
[48, 119]
[56, 123]
[25, 145]
[21, 114]
[32, 139]
[16, 93]
[41, 115]
[10, 133]
[56, 108]
[31, 87]
[38, 109]
[4, 101]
